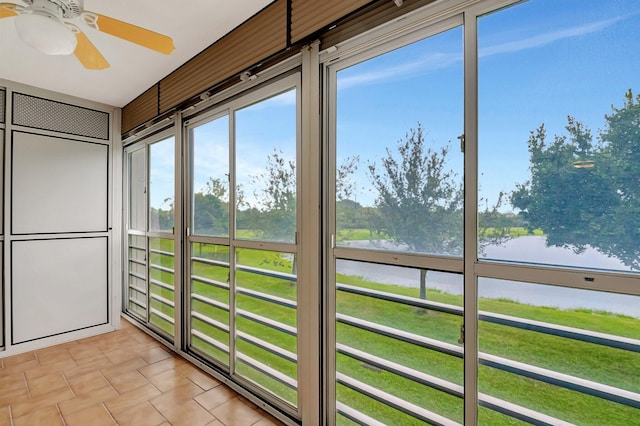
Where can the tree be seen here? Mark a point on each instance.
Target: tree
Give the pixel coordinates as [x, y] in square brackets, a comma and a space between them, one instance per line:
[211, 209]
[276, 196]
[419, 201]
[584, 193]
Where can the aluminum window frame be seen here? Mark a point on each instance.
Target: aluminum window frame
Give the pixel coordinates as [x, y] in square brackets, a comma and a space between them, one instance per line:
[290, 79]
[402, 31]
[144, 143]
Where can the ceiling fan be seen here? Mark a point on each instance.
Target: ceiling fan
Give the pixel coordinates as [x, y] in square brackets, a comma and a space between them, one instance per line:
[47, 25]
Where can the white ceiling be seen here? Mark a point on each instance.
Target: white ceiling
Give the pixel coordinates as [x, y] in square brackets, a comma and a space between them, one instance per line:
[193, 25]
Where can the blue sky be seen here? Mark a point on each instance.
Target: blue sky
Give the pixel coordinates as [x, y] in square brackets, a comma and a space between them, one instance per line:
[539, 62]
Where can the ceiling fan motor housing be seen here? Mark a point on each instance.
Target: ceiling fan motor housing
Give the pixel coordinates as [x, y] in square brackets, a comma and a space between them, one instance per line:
[68, 9]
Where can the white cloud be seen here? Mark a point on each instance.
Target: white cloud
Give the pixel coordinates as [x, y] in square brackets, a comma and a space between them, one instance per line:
[440, 60]
[547, 38]
[430, 62]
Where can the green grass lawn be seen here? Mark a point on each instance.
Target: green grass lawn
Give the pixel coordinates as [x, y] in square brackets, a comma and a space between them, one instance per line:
[609, 366]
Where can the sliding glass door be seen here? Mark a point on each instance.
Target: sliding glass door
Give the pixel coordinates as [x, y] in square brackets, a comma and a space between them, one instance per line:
[150, 277]
[396, 219]
[482, 247]
[242, 243]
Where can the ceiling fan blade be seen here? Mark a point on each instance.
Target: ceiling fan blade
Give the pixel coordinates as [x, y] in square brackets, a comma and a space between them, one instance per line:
[5, 12]
[147, 38]
[88, 54]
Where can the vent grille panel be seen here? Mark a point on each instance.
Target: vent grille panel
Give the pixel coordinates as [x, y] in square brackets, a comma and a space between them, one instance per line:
[38, 113]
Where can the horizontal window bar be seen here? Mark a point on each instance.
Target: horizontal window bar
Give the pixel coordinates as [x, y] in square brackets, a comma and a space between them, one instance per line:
[518, 412]
[138, 303]
[566, 381]
[267, 322]
[400, 370]
[213, 323]
[267, 273]
[395, 402]
[267, 297]
[161, 268]
[547, 376]
[268, 371]
[162, 284]
[161, 252]
[415, 339]
[525, 324]
[163, 300]
[405, 300]
[138, 262]
[210, 302]
[212, 342]
[138, 289]
[165, 317]
[603, 339]
[276, 350]
[211, 262]
[487, 401]
[210, 282]
[138, 276]
[356, 416]
[433, 263]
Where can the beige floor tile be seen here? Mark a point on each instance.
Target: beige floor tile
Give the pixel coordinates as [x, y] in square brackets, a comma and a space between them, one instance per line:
[87, 382]
[12, 382]
[187, 413]
[86, 400]
[155, 355]
[18, 359]
[215, 397]
[42, 385]
[168, 380]
[5, 416]
[85, 354]
[266, 422]
[143, 414]
[44, 416]
[96, 415]
[202, 379]
[176, 396]
[236, 413]
[133, 363]
[48, 369]
[19, 368]
[91, 367]
[125, 377]
[119, 355]
[129, 399]
[24, 407]
[52, 357]
[160, 366]
[14, 396]
[128, 381]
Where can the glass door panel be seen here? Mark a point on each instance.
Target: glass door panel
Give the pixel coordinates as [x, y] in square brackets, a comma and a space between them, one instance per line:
[210, 300]
[150, 240]
[397, 208]
[243, 291]
[556, 162]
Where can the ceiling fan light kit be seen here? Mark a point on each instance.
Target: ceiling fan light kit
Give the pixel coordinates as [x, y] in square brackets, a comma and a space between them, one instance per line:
[46, 34]
[44, 25]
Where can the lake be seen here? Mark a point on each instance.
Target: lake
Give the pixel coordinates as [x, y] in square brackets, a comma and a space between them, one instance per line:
[525, 249]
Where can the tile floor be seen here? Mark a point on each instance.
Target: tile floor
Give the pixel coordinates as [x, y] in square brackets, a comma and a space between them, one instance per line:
[124, 377]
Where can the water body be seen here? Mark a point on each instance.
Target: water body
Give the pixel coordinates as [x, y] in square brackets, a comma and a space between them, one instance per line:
[524, 249]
